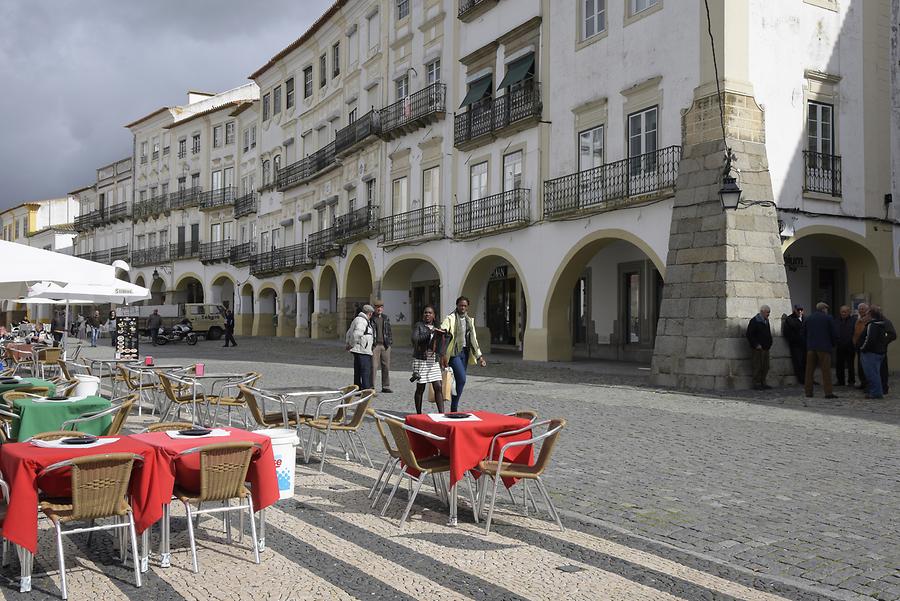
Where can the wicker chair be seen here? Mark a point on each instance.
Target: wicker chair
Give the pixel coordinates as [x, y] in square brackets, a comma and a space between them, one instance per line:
[223, 471]
[498, 469]
[99, 488]
[272, 419]
[529, 414]
[389, 464]
[169, 427]
[134, 383]
[340, 420]
[231, 397]
[119, 412]
[56, 435]
[44, 358]
[179, 393]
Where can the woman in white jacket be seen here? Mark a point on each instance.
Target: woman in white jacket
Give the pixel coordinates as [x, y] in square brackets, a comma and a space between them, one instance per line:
[360, 341]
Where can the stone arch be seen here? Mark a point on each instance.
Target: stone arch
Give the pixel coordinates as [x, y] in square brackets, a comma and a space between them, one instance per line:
[243, 319]
[287, 316]
[222, 290]
[606, 266]
[306, 302]
[325, 316]
[357, 289]
[358, 256]
[408, 284]
[266, 317]
[158, 292]
[188, 289]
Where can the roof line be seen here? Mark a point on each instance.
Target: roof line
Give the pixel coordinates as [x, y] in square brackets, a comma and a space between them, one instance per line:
[145, 117]
[226, 105]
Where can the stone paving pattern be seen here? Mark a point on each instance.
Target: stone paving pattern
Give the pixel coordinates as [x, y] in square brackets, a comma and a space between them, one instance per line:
[665, 495]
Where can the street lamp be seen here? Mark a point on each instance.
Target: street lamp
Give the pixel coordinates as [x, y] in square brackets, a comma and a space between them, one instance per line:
[730, 193]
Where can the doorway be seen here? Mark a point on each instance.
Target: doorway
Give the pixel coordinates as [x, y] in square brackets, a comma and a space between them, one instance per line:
[829, 282]
[424, 294]
[501, 310]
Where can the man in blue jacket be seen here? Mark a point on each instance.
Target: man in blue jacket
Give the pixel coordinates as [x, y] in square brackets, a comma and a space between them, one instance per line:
[821, 336]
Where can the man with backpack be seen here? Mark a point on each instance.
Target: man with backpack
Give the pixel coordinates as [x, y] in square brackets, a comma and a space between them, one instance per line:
[872, 351]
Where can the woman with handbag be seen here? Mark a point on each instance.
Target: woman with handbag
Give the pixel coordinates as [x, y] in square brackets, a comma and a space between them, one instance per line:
[428, 342]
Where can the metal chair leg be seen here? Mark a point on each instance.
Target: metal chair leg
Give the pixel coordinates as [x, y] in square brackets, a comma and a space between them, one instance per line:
[134, 550]
[412, 498]
[365, 449]
[325, 450]
[553, 512]
[190, 523]
[490, 515]
[253, 530]
[387, 480]
[380, 476]
[393, 492]
[62, 561]
[472, 498]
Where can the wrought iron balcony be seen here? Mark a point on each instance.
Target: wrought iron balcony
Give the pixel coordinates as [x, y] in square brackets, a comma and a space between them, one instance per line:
[425, 106]
[357, 224]
[507, 210]
[107, 256]
[323, 244]
[491, 115]
[184, 199]
[245, 205]
[151, 207]
[213, 252]
[358, 131]
[241, 254]
[217, 199]
[155, 255]
[87, 221]
[184, 250]
[822, 173]
[306, 168]
[612, 185]
[468, 9]
[155, 155]
[421, 224]
[111, 214]
[281, 260]
[144, 160]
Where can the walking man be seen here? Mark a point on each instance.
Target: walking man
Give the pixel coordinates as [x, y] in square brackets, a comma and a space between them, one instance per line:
[872, 350]
[891, 335]
[94, 325]
[360, 339]
[858, 330]
[820, 338]
[229, 328]
[845, 357]
[154, 323]
[463, 349]
[793, 330]
[381, 353]
[58, 327]
[759, 334]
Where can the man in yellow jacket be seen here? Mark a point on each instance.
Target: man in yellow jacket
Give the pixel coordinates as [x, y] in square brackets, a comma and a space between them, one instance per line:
[463, 349]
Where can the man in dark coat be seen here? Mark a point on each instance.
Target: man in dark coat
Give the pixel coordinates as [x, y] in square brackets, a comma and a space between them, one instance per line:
[820, 338]
[793, 329]
[154, 323]
[759, 334]
[845, 355]
[229, 328]
[890, 336]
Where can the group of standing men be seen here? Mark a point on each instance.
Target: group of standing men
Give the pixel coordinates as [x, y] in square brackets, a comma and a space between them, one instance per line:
[857, 342]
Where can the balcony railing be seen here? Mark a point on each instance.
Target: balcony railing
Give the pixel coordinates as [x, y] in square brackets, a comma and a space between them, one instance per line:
[111, 214]
[281, 260]
[468, 8]
[425, 106]
[300, 171]
[245, 205]
[323, 244]
[421, 224]
[184, 199]
[241, 254]
[184, 250]
[155, 155]
[216, 199]
[87, 221]
[502, 211]
[151, 207]
[822, 173]
[211, 252]
[604, 187]
[359, 223]
[106, 256]
[490, 115]
[348, 137]
[154, 255]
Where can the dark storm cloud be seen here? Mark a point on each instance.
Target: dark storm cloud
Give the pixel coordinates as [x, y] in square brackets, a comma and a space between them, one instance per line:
[73, 72]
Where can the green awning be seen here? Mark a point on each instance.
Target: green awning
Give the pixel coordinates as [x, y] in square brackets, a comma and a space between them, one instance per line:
[476, 90]
[516, 71]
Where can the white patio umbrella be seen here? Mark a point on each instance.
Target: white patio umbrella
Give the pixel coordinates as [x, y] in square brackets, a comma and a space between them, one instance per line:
[21, 266]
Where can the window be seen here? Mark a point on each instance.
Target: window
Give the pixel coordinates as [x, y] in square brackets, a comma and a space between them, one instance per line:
[433, 71]
[195, 180]
[402, 87]
[431, 186]
[642, 5]
[246, 139]
[402, 9]
[276, 239]
[140, 242]
[321, 217]
[276, 165]
[267, 101]
[820, 128]
[276, 100]
[590, 148]
[478, 181]
[155, 148]
[374, 31]
[307, 82]
[352, 48]
[153, 193]
[265, 173]
[323, 65]
[253, 137]
[182, 148]
[195, 144]
[182, 183]
[642, 140]
[289, 93]
[400, 196]
[215, 232]
[336, 59]
[228, 177]
[594, 18]
[144, 147]
[163, 237]
[264, 241]
[229, 133]
[512, 171]
[217, 136]
[370, 192]
[227, 230]
[164, 189]
[216, 180]
[142, 195]
[351, 116]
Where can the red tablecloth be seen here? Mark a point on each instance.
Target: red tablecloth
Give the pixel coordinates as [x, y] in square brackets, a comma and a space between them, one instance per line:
[261, 473]
[21, 462]
[468, 442]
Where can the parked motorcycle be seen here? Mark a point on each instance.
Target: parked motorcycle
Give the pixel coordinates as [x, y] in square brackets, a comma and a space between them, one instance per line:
[177, 333]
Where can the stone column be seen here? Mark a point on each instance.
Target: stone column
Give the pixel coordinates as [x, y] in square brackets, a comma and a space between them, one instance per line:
[722, 265]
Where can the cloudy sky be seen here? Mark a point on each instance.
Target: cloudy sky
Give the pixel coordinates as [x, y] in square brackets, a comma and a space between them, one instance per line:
[73, 72]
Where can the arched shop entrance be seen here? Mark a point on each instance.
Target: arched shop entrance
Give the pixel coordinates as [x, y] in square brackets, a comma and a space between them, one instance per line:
[324, 320]
[245, 313]
[222, 292]
[266, 312]
[158, 292]
[188, 290]
[408, 285]
[306, 300]
[357, 288]
[287, 318]
[498, 300]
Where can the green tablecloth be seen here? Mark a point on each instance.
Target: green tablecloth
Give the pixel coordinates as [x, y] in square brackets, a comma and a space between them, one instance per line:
[27, 383]
[46, 416]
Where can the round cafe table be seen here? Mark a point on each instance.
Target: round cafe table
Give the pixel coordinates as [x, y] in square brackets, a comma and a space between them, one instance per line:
[25, 383]
[38, 415]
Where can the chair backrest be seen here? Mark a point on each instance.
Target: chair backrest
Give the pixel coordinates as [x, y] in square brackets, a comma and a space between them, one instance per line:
[125, 372]
[121, 415]
[223, 470]
[252, 405]
[99, 485]
[529, 414]
[553, 429]
[12, 395]
[165, 381]
[169, 426]
[49, 354]
[56, 435]
[391, 449]
[364, 398]
[64, 370]
[401, 439]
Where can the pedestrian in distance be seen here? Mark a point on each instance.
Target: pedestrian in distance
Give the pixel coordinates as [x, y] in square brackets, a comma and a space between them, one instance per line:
[111, 327]
[154, 323]
[845, 353]
[821, 336]
[381, 352]
[427, 341]
[229, 328]
[58, 327]
[793, 330]
[94, 325]
[891, 336]
[859, 329]
[872, 350]
[360, 338]
[463, 349]
[759, 335]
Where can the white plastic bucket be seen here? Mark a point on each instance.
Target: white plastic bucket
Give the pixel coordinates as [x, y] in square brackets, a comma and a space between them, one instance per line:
[284, 443]
[87, 385]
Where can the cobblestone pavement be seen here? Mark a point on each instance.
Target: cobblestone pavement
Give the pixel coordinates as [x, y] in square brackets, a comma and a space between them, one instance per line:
[665, 495]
